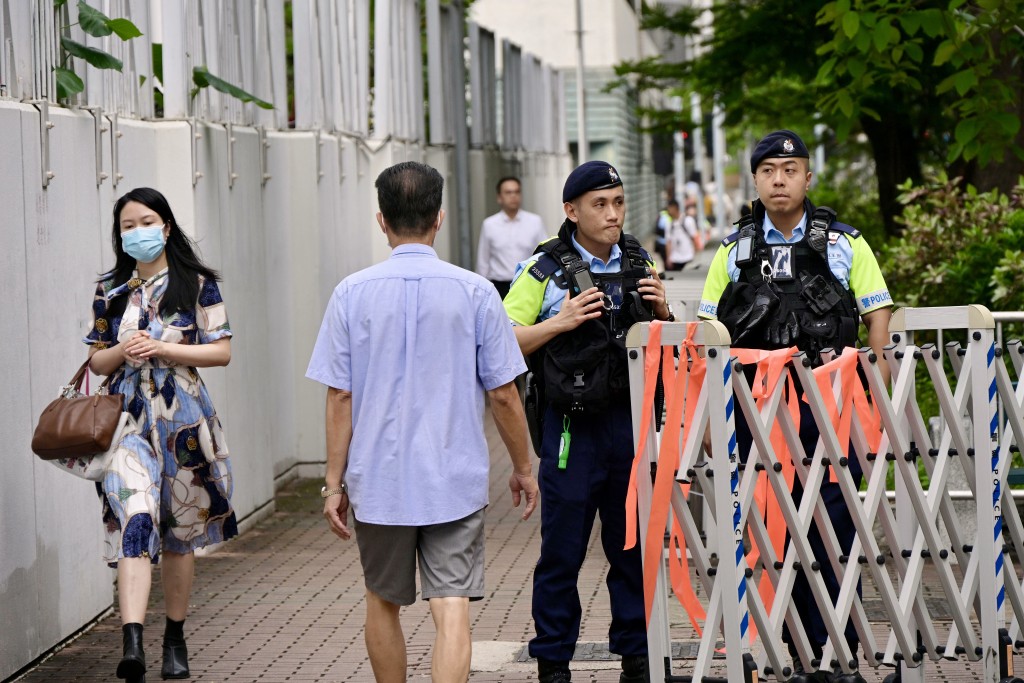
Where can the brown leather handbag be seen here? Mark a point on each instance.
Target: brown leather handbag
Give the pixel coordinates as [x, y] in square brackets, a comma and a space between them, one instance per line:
[76, 425]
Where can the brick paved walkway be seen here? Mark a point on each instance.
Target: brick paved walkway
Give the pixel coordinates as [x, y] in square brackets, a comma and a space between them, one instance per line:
[284, 602]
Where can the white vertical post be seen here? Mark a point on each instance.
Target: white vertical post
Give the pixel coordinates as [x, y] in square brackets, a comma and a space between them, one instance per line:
[679, 157]
[176, 80]
[698, 152]
[730, 574]
[819, 153]
[382, 124]
[718, 136]
[583, 143]
[989, 542]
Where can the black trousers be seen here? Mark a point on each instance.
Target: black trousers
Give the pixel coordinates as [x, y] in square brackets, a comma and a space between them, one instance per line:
[593, 484]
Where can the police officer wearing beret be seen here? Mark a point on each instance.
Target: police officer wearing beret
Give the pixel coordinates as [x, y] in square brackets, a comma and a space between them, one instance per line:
[793, 275]
[571, 305]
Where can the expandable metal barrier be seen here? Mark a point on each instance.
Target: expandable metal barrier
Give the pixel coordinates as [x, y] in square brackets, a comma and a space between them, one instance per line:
[744, 573]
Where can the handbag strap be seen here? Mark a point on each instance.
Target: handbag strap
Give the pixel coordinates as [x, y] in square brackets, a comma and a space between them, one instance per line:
[83, 374]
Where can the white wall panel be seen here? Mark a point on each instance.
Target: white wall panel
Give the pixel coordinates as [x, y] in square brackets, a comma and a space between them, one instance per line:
[243, 400]
[61, 267]
[293, 298]
[19, 555]
[49, 521]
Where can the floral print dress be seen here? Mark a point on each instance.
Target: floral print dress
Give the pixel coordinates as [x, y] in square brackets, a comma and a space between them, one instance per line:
[168, 485]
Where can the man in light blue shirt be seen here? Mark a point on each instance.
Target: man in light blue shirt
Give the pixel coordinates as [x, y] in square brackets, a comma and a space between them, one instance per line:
[407, 349]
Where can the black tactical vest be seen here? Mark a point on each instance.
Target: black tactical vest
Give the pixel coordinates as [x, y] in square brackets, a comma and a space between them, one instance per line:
[585, 369]
[787, 294]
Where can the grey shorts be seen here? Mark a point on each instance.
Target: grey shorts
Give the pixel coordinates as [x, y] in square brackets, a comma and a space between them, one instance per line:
[451, 559]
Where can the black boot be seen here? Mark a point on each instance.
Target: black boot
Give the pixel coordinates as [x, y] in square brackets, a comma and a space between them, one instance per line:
[132, 666]
[175, 652]
[634, 669]
[800, 675]
[553, 672]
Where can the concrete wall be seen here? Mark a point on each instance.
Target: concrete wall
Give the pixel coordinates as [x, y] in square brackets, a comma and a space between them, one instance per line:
[281, 247]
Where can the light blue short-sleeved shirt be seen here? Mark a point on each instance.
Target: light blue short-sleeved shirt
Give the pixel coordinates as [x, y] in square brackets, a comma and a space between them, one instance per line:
[417, 341]
[840, 252]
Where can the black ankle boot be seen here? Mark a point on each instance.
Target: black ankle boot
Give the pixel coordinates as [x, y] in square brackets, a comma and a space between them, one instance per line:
[132, 666]
[634, 669]
[553, 672]
[175, 652]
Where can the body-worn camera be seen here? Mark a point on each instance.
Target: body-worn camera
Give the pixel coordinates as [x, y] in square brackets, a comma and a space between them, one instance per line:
[579, 277]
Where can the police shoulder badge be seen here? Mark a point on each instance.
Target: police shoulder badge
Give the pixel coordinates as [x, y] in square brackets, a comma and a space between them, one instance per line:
[787, 146]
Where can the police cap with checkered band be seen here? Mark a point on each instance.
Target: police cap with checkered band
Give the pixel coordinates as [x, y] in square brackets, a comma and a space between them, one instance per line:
[780, 144]
[590, 176]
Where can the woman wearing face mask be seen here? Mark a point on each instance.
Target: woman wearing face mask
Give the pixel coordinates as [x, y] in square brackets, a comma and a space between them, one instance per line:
[158, 315]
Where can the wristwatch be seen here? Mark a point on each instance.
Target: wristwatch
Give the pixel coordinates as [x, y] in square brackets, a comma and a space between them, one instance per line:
[671, 316]
[327, 493]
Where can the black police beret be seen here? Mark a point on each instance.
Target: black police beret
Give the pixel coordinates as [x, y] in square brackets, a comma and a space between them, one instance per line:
[780, 144]
[592, 175]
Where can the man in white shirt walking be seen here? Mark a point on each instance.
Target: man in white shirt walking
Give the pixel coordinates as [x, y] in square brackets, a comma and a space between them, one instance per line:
[683, 237]
[507, 237]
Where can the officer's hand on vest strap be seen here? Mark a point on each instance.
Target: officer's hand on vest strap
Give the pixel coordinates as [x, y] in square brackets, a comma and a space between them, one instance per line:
[578, 309]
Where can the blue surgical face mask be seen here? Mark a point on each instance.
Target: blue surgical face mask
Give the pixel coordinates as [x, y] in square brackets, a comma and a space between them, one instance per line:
[145, 243]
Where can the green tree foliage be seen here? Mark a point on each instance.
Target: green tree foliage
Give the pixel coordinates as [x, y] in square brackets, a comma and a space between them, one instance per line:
[96, 24]
[927, 81]
[202, 78]
[960, 246]
[950, 51]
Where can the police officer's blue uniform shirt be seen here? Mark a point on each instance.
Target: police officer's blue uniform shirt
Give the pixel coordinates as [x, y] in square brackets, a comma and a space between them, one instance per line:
[840, 253]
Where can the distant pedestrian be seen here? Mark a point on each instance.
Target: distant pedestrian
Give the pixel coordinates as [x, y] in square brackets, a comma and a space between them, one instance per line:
[683, 238]
[661, 229]
[158, 315]
[507, 237]
[407, 349]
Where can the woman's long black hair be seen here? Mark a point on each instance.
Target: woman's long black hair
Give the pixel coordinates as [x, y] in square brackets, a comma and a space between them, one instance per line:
[183, 266]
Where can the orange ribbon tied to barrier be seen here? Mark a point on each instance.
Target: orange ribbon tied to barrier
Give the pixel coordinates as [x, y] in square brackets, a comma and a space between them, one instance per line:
[682, 388]
[853, 400]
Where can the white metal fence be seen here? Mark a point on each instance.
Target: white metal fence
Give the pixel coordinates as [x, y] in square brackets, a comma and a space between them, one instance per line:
[746, 573]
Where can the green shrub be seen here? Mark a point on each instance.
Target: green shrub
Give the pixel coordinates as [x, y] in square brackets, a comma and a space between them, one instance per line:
[959, 247]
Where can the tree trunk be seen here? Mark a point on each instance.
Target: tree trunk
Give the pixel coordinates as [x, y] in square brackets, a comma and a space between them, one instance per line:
[894, 147]
[1004, 174]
